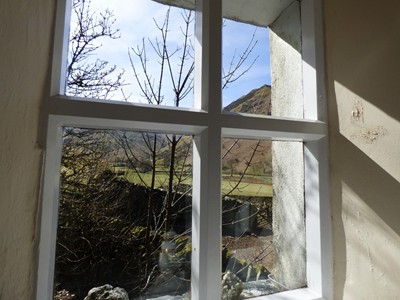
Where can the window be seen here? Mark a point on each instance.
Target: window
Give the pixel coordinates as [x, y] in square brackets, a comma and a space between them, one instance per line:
[209, 126]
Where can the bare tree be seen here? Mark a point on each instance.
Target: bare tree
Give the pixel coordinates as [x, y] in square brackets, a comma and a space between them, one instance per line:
[85, 77]
[153, 89]
[237, 67]
[167, 152]
[85, 176]
[175, 72]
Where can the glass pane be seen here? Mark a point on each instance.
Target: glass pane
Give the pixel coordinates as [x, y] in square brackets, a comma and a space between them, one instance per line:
[246, 77]
[263, 250]
[262, 63]
[124, 214]
[131, 50]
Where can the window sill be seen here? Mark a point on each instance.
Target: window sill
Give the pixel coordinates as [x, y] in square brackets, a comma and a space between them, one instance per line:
[299, 294]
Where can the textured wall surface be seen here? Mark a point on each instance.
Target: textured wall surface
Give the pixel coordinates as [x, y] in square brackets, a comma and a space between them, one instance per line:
[287, 157]
[25, 32]
[362, 58]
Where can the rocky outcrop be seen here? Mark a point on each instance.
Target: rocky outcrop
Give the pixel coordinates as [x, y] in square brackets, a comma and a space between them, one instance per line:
[107, 292]
[232, 287]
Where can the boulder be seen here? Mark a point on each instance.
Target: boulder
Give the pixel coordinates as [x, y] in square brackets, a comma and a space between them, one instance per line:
[107, 292]
[232, 287]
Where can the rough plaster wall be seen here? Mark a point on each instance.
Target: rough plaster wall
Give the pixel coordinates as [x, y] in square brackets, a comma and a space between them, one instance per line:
[256, 12]
[362, 59]
[25, 28]
[286, 64]
[287, 157]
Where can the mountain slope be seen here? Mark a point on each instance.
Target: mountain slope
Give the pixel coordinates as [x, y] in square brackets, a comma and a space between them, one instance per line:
[237, 153]
[257, 101]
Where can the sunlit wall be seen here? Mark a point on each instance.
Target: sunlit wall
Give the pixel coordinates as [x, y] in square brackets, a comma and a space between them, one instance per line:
[362, 59]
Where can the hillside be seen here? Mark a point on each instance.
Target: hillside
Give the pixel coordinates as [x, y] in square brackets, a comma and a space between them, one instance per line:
[235, 153]
[238, 153]
[257, 101]
[132, 148]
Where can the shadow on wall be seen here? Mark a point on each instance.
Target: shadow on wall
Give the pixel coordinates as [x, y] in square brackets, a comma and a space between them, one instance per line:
[362, 46]
[366, 224]
[362, 50]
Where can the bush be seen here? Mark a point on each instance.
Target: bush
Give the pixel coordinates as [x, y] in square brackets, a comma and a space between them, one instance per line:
[101, 237]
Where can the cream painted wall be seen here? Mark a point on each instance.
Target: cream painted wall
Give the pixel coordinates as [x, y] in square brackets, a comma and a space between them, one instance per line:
[25, 35]
[363, 63]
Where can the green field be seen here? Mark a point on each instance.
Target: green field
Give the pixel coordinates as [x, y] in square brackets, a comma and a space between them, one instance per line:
[248, 189]
[251, 185]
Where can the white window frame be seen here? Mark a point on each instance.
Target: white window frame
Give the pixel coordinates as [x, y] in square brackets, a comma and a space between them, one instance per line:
[209, 125]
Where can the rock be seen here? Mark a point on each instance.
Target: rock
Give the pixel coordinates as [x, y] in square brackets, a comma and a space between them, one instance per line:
[107, 292]
[231, 287]
[259, 288]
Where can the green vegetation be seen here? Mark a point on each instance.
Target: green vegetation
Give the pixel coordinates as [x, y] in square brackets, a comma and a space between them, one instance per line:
[161, 178]
[249, 186]
[247, 189]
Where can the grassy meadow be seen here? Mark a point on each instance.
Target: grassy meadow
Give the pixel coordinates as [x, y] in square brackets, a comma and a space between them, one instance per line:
[248, 186]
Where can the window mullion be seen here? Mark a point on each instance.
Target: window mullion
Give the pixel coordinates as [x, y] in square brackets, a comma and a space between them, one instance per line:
[318, 227]
[206, 239]
[319, 262]
[206, 212]
[208, 56]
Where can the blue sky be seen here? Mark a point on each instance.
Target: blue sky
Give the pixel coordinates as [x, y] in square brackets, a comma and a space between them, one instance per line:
[135, 19]
[236, 36]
